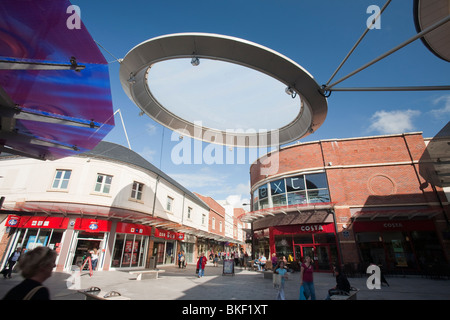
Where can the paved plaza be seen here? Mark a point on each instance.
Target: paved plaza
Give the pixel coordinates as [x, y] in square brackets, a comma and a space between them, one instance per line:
[183, 284]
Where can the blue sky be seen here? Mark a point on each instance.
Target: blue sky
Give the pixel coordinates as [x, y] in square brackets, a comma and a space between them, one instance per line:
[315, 34]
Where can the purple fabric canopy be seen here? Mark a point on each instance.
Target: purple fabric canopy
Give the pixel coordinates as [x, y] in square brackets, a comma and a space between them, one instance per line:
[50, 114]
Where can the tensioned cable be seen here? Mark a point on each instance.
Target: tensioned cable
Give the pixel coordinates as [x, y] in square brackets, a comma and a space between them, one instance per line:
[118, 60]
[417, 36]
[358, 42]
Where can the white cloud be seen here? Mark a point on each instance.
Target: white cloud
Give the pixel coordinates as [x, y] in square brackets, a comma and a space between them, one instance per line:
[147, 154]
[443, 111]
[391, 122]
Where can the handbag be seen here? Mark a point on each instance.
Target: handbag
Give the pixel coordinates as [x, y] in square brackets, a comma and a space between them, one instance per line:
[30, 294]
[276, 280]
[196, 271]
[302, 293]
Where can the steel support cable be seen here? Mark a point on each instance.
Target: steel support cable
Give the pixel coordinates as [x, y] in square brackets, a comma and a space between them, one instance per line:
[388, 53]
[358, 42]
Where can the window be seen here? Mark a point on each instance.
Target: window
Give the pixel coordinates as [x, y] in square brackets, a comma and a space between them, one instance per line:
[61, 180]
[213, 223]
[203, 218]
[220, 226]
[189, 212]
[103, 184]
[169, 206]
[136, 191]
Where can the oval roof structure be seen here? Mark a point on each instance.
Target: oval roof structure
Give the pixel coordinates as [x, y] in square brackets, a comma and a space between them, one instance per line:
[134, 72]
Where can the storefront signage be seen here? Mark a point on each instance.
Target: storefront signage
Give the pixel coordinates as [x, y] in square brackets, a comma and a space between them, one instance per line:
[132, 228]
[37, 222]
[405, 225]
[92, 225]
[303, 228]
[168, 235]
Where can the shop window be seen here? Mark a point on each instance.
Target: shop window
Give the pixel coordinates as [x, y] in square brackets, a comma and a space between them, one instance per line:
[136, 190]
[279, 200]
[103, 184]
[324, 238]
[315, 196]
[296, 197]
[316, 181]
[283, 246]
[263, 192]
[118, 250]
[295, 183]
[303, 238]
[277, 187]
[61, 180]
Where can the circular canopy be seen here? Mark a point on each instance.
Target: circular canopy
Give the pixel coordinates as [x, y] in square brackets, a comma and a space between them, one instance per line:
[135, 66]
[427, 13]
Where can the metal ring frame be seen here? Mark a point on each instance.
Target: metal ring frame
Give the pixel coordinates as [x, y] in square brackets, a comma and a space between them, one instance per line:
[134, 72]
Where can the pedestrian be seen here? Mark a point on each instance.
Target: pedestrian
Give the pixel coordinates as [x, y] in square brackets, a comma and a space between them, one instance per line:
[179, 259]
[306, 279]
[201, 263]
[274, 261]
[216, 260]
[245, 260]
[183, 260]
[13, 258]
[342, 285]
[262, 262]
[36, 266]
[94, 258]
[281, 271]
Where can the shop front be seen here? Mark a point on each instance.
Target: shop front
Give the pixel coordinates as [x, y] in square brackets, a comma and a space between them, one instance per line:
[29, 232]
[295, 242]
[165, 246]
[399, 245]
[130, 245]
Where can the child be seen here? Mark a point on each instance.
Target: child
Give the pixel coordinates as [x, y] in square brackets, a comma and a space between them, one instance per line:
[281, 270]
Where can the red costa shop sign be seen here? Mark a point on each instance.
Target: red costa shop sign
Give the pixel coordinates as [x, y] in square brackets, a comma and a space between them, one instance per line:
[92, 225]
[37, 222]
[132, 228]
[168, 235]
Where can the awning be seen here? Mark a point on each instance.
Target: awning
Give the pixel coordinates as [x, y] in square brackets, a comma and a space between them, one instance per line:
[251, 216]
[55, 97]
[103, 212]
[394, 213]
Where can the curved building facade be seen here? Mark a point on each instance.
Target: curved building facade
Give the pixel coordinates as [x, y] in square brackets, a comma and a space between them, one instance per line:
[351, 202]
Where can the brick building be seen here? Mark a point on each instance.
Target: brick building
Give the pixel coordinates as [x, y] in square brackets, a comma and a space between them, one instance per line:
[351, 201]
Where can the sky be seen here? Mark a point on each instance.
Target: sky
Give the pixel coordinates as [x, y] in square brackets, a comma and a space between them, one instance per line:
[315, 34]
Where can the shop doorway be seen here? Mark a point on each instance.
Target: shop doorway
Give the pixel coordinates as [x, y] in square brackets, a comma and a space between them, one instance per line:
[83, 245]
[320, 255]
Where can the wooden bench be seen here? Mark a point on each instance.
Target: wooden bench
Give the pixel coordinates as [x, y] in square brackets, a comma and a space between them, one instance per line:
[95, 293]
[351, 296]
[146, 274]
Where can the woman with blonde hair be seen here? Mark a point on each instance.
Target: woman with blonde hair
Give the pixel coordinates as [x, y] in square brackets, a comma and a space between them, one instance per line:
[36, 266]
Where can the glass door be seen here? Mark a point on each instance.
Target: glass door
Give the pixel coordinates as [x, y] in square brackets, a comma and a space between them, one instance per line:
[323, 258]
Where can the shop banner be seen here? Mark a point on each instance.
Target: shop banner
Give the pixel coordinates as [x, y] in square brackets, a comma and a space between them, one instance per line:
[303, 228]
[168, 235]
[132, 228]
[391, 225]
[37, 222]
[92, 225]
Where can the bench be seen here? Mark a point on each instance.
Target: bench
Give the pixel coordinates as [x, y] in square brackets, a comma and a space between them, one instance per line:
[95, 293]
[146, 274]
[351, 296]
